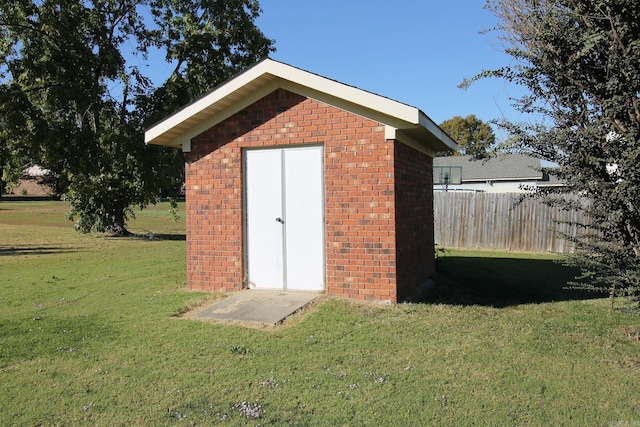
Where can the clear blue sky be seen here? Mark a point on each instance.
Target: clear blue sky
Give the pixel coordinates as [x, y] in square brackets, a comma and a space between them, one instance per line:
[413, 51]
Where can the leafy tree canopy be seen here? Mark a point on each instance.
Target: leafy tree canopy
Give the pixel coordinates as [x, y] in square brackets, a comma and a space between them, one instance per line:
[75, 95]
[474, 137]
[580, 60]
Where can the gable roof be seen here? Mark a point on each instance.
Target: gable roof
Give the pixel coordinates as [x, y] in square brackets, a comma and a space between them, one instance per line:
[405, 123]
[510, 167]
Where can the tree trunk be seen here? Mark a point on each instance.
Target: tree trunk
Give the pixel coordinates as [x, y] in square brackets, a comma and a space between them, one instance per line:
[117, 227]
[118, 230]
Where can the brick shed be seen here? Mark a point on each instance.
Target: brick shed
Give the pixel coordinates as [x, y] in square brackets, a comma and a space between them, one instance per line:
[295, 181]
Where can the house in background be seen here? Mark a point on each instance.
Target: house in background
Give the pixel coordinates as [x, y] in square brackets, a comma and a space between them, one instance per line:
[33, 182]
[511, 173]
[298, 182]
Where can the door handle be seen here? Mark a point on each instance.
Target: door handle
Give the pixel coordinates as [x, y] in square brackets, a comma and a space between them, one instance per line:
[280, 220]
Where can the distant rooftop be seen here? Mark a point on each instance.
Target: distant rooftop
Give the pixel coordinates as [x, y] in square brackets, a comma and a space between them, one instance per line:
[502, 168]
[35, 171]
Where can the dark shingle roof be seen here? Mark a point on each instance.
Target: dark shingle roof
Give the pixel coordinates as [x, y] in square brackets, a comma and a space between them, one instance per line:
[507, 167]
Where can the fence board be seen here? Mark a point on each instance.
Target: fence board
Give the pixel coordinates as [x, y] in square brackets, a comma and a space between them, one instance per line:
[491, 221]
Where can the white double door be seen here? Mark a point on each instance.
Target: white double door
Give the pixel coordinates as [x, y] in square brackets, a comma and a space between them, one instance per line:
[285, 218]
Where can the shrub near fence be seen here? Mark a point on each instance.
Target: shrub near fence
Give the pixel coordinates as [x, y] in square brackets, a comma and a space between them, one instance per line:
[492, 221]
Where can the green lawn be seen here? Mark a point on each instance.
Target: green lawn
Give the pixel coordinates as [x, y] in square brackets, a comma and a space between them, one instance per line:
[89, 336]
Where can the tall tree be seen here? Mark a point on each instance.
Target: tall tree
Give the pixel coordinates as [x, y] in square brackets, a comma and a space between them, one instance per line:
[10, 164]
[580, 61]
[474, 137]
[74, 96]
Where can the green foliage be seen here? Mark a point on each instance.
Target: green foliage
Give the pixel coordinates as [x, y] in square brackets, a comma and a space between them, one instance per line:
[474, 137]
[580, 61]
[206, 43]
[10, 167]
[74, 97]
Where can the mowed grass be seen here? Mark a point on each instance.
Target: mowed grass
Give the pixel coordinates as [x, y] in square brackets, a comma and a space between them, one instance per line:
[89, 336]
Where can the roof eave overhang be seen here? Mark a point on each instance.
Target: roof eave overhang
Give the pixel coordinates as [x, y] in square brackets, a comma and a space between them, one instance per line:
[426, 131]
[268, 76]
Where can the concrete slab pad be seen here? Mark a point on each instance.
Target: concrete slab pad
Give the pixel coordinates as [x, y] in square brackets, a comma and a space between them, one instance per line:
[260, 307]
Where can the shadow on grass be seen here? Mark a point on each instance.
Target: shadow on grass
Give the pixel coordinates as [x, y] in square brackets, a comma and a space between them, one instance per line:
[503, 282]
[148, 236]
[175, 237]
[33, 250]
[14, 198]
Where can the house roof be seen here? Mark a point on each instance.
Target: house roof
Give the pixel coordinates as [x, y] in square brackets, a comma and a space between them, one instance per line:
[510, 167]
[406, 123]
[35, 171]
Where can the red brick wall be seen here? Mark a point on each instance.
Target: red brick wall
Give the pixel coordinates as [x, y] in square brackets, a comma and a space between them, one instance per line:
[360, 211]
[414, 210]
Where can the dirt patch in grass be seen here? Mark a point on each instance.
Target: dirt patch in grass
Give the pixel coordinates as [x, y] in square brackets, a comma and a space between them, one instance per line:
[199, 303]
[632, 333]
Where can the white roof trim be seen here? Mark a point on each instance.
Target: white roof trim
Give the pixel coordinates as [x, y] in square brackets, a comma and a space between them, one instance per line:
[268, 75]
[432, 127]
[225, 89]
[211, 121]
[346, 92]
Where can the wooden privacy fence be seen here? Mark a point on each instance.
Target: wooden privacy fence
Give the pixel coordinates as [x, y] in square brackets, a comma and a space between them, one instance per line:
[491, 221]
